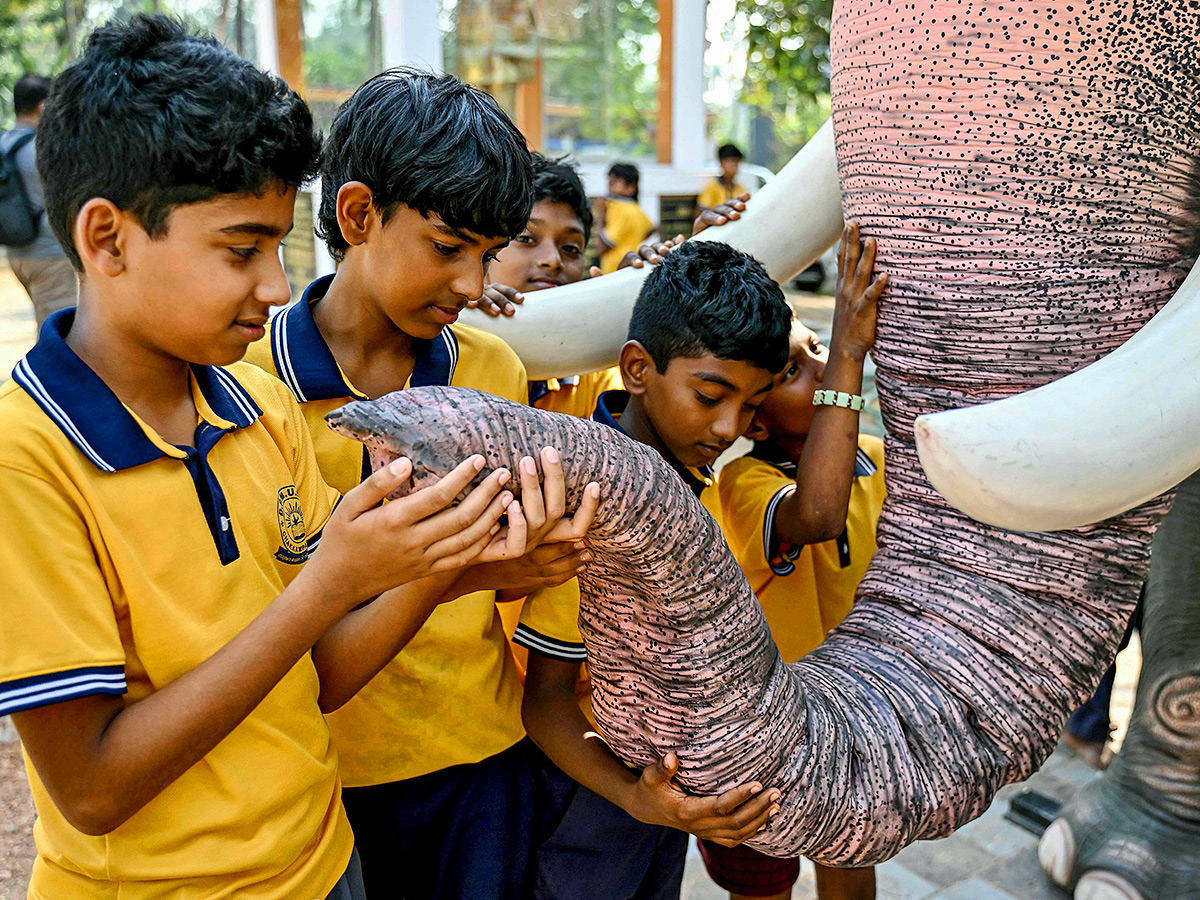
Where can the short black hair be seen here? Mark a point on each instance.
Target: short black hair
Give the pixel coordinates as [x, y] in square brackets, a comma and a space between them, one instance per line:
[558, 181]
[729, 151]
[153, 116]
[706, 297]
[28, 92]
[432, 143]
[627, 172]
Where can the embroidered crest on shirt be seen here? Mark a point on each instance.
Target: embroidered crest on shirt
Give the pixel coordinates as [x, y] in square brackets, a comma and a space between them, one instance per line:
[294, 543]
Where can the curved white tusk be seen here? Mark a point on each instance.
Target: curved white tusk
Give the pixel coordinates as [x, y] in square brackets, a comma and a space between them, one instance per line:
[1089, 446]
[581, 327]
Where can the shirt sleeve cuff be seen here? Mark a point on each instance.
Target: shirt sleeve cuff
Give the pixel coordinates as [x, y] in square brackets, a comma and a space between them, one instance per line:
[547, 646]
[780, 557]
[58, 687]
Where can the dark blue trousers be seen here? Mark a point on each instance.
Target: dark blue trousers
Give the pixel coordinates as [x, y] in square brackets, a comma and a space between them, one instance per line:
[597, 851]
[461, 833]
[1091, 721]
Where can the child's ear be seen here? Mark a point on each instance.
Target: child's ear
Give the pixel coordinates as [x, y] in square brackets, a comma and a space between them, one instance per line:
[636, 365]
[101, 235]
[757, 431]
[354, 201]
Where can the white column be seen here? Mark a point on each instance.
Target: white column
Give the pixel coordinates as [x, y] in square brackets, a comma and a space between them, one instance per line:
[411, 36]
[689, 145]
[266, 44]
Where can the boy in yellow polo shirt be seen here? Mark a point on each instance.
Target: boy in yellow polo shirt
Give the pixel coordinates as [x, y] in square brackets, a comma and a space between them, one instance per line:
[708, 332]
[623, 225]
[424, 180]
[804, 582]
[725, 187]
[159, 615]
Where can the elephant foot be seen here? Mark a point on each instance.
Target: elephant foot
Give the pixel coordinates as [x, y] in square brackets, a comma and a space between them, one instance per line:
[1108, 848]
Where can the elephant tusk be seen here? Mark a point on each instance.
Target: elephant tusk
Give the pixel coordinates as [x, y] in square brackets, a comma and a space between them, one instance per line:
[1086, 447]
[581, 327]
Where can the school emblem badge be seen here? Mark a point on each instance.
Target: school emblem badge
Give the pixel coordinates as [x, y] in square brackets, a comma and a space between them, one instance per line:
[294, 544]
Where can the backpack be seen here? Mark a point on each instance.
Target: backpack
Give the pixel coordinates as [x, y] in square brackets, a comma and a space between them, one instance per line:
[18, 219]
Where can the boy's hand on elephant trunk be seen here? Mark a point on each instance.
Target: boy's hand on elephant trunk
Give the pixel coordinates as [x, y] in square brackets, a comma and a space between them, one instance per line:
[857, 295]
[542, 567]
[544, 502]
[727, 819]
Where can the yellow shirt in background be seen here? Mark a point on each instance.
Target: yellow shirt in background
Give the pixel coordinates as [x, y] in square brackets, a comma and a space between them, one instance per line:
[716, 193]
[625, 227]
[574, 396]
[123, 576]
[804, 591]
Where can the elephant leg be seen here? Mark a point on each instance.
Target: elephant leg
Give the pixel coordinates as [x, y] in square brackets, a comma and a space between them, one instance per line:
[1134, 834]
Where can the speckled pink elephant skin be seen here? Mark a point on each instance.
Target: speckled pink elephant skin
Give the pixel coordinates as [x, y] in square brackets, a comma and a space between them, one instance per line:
[1020, 165]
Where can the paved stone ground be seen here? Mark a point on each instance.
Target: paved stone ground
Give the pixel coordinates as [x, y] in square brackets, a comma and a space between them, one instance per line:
[989, 859]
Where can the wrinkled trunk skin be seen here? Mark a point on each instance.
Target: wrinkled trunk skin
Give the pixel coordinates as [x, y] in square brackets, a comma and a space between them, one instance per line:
[1021, 166]
[1136, 831]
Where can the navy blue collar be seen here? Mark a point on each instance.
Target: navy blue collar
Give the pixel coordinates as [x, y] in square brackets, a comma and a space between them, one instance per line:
[610, 405]
[89, 413]
[768, 452]
[306, 364]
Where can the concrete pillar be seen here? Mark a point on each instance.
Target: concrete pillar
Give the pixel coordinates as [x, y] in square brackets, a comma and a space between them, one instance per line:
[266, 45]
[411, 36]
[689, 144]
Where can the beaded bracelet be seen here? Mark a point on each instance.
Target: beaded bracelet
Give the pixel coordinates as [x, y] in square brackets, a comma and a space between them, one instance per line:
[838, 398]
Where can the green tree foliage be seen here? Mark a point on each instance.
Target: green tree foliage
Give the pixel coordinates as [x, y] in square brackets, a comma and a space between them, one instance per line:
[32, 39]
[787, 66]
[43, 35]
[601, 72]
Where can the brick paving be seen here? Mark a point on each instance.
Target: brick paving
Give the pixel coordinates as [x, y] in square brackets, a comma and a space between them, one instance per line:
[988, 859]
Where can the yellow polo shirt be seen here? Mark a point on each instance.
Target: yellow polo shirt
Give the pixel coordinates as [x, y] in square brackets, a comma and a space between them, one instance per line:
[625, 227]
[716, 192]
[574, 396]
[804, 591]
[453, 695]
[126, 563]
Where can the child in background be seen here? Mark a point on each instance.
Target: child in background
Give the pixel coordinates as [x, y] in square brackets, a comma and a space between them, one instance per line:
[424, 180]
[622, 224]
[804, 581]
[160, 616]
[550, 252]
[724, 187]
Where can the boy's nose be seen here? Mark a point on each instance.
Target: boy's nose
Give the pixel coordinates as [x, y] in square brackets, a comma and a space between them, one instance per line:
[729, 426]
[273, 288]
[468, 282]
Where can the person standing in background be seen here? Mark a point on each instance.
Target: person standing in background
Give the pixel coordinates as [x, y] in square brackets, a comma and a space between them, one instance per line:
[724, 187]
[621, 223]
[40, 265]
